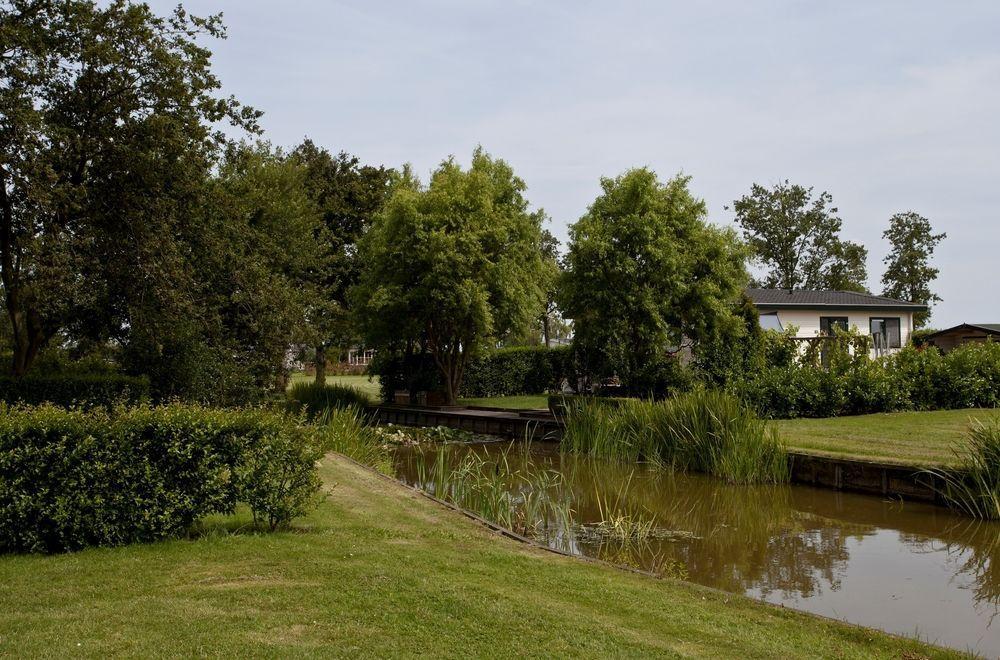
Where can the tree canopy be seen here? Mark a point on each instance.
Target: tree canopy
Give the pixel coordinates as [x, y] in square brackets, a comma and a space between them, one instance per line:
[646, 275]
[452, 266]
[908, 272]
[795, 237]
[106, 137]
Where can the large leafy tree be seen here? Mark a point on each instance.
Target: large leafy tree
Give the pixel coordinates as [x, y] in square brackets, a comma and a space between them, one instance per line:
[647, 276]
[908, 271]
[453, 266]
[348, 194]
[795, 237]
[106, 137]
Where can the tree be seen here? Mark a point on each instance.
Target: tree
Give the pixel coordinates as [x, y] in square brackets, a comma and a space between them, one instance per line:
[551, 270]
[796, 238]
[452, 266]
[908, 273]
[106, 137]
[348, 195]
[647, 276]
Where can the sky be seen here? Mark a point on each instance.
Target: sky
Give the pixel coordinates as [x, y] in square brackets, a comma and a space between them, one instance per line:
[889, 106]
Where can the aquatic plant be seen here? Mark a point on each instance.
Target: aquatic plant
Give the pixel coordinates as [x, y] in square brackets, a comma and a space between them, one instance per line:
[973, 485]
[346, 431]
[704, 431]
[315, 399]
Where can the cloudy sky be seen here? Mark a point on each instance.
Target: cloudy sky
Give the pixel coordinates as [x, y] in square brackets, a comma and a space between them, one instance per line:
[888, 105]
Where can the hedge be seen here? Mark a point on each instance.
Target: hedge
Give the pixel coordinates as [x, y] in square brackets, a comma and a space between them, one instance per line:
[72, 478]
[500, 372]
[912, 379]
[85, 390]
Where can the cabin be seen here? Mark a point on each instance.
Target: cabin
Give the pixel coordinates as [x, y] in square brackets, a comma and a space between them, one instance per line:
[816, 313]
[965, 333]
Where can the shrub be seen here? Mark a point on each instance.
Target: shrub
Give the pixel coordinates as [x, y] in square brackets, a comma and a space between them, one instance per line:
[73, 389]
[72, 478]
[314, 399]
[704, 431]
[517, 370]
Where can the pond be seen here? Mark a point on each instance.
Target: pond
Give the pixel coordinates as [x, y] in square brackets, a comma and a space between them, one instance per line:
[903, 567]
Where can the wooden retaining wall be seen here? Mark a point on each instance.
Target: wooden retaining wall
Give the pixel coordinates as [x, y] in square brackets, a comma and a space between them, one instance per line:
[860, 476]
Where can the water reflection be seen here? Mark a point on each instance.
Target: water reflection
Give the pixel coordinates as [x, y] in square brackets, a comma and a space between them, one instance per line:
[904, 567]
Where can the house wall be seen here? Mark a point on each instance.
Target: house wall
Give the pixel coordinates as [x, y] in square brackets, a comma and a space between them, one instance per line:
[807, 321]
[949, 340]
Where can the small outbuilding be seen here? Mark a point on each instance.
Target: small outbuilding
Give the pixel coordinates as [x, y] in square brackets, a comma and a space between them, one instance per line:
[965, 333]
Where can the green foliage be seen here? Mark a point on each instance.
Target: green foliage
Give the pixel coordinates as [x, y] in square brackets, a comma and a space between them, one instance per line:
[71, 479]
[973, 487]
[73, 389]
[518, 370]
[451, 266]
[647, 276]
[704, 431]
[314, 400]
[908, 273]
[111, 122]
[796, 238]
[912, 379]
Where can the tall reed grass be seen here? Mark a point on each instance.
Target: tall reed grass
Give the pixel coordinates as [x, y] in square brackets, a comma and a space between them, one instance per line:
[315, 399]
[345, 430]
[702, 431]
[973, 486]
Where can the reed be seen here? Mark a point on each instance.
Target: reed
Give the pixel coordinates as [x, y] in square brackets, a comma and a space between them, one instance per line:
[973, 486]
[703, 431]
[345, 430]
[315, 399]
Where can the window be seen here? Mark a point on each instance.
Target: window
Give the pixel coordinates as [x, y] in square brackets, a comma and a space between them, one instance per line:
[828, 323]
[885, 333]
[770, 321]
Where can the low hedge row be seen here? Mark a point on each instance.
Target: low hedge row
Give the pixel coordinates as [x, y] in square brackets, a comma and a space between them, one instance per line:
[913, 379]
[72, 389]
[500, 372]
[73, 478]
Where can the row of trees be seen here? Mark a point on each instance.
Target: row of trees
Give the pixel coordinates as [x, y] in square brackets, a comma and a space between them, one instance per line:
[129, 220]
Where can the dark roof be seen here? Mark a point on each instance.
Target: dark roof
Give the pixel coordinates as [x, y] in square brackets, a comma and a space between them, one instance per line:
[804, 299]
[989, 328]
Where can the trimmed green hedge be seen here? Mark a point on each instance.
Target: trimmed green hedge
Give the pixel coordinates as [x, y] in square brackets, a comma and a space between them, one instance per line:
[71, 478]
[74, 389]
[913, 379]
[517, 370]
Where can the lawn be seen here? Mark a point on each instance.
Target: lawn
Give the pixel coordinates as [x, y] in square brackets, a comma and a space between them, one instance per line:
[380, 571]
[922, 438]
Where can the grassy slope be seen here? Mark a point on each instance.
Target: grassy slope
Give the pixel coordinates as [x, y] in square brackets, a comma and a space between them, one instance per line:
[385, 572]
[906, 437]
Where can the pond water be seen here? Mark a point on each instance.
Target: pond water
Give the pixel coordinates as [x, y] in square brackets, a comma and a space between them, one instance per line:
[903, 567]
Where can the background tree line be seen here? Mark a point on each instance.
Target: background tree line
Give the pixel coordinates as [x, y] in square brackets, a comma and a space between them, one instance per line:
[131, 225]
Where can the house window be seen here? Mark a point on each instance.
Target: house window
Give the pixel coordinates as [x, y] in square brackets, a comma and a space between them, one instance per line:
[885, 332]
[828, 323]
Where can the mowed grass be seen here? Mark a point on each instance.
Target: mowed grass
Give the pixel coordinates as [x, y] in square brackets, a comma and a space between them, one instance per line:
[379, 571]
[920, 438]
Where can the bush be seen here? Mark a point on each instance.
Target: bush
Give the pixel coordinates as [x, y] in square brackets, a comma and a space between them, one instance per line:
[314, 399]
[517, 370]
[705, 431]
[71, 479]
[71, 389]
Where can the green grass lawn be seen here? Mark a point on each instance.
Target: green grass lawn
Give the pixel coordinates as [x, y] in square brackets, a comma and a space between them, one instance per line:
[923, 438]
[379, 571]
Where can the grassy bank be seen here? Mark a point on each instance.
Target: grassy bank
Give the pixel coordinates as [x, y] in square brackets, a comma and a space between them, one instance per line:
[376, 570]
[920, 438]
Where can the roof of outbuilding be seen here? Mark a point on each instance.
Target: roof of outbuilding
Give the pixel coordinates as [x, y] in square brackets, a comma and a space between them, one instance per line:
[802, 299]
[991, 328]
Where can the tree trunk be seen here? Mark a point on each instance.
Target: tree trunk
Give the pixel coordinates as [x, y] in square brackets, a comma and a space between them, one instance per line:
[545, 329]
[320, 364]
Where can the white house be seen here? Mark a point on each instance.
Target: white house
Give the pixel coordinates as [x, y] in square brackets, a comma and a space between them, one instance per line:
[814, 313]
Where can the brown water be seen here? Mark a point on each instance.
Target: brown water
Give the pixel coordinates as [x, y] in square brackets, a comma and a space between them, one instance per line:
[906, 568]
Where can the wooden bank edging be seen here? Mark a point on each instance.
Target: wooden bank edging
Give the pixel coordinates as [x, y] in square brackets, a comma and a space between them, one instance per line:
[846, 474]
